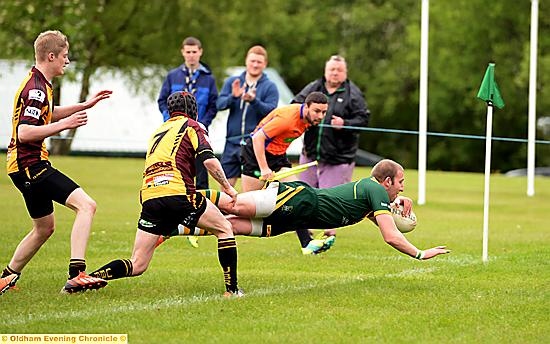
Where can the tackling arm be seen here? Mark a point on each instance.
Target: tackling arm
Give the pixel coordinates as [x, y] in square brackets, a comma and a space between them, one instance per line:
[215, 169]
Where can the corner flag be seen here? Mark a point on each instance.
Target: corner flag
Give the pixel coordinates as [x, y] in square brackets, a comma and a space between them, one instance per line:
[488, 91]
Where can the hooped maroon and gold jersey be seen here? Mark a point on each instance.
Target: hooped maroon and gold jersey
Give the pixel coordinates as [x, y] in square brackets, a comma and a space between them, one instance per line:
[33, 104]
[170, 159]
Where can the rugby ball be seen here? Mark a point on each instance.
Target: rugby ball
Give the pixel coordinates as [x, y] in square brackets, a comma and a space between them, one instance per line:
[405, 224]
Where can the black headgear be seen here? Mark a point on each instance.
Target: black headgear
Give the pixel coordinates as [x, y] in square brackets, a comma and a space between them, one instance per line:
[182, 103]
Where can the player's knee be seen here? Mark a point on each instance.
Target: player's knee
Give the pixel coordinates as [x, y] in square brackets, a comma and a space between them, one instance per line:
[225, 229]
[90, 206]
[44, 232]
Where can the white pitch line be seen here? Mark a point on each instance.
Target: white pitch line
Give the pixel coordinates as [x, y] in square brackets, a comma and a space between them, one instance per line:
[174, 302]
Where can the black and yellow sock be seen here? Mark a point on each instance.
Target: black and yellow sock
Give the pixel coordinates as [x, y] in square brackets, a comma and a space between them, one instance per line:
[9, 271]
[116, 269]
[75, 266]
[212, 195]
[227, 255]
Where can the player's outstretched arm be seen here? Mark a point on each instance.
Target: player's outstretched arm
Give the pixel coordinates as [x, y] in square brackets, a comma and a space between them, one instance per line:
[60, 112]
[397, 240]
[33, 133]
[435, 251]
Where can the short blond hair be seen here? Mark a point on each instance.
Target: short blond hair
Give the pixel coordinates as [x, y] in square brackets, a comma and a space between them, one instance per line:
[258, 50]
[51, 41]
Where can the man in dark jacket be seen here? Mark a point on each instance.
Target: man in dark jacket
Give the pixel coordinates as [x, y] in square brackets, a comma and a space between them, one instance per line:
[333, 147]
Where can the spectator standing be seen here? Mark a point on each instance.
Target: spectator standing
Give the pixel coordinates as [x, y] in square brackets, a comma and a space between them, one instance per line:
[249, 98]
[333, 147]
[195, 77]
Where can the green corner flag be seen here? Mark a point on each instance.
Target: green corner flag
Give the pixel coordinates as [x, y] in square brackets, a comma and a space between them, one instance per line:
[488, 91]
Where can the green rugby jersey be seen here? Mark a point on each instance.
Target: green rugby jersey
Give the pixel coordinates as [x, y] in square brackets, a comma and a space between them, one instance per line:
[349, 203]
[301, 206]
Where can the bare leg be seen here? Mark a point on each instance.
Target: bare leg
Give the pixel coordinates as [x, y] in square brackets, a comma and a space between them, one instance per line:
[84, 207]
[241, 226]
[42, 229]
[144, 247]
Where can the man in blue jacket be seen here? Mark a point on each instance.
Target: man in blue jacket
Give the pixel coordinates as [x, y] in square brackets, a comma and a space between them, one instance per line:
[249, 98]
[195, 77]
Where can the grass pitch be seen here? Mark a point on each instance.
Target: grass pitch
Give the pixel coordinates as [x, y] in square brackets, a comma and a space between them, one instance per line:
[362, 290]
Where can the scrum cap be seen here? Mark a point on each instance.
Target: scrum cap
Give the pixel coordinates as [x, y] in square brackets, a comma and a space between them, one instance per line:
[182, 103]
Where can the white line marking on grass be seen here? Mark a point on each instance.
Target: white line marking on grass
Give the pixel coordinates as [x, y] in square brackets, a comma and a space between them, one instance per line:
[174, 302]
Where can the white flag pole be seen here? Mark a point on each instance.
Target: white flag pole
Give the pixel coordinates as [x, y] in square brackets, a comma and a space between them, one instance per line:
[485, 255]
[423, 102]
[531, 131]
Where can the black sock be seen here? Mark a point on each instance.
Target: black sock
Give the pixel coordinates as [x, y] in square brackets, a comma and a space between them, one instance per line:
[304, 236]
[116, 269]
[75, 266]
[227, 255]
[8, 271]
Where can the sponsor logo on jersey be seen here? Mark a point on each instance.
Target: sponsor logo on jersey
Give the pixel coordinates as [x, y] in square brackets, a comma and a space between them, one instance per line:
[162, 179]
[287, 208]
[36, 94]
[32, 112]
[345, 221]
[158, 167]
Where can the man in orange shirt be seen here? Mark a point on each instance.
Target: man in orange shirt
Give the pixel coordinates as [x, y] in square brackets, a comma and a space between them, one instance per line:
[265, 149]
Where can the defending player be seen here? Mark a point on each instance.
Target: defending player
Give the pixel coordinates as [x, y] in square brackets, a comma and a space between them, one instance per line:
[168, 196]
[287, 206]
[34, 119]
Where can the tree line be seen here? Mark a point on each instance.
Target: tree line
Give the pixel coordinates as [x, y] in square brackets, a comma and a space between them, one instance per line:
[380, 40]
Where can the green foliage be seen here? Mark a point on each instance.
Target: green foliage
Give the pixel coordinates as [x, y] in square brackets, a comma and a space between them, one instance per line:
[361, 291]
[380, 40]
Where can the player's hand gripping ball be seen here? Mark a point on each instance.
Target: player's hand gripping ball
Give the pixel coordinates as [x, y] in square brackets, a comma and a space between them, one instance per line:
[405, 224]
